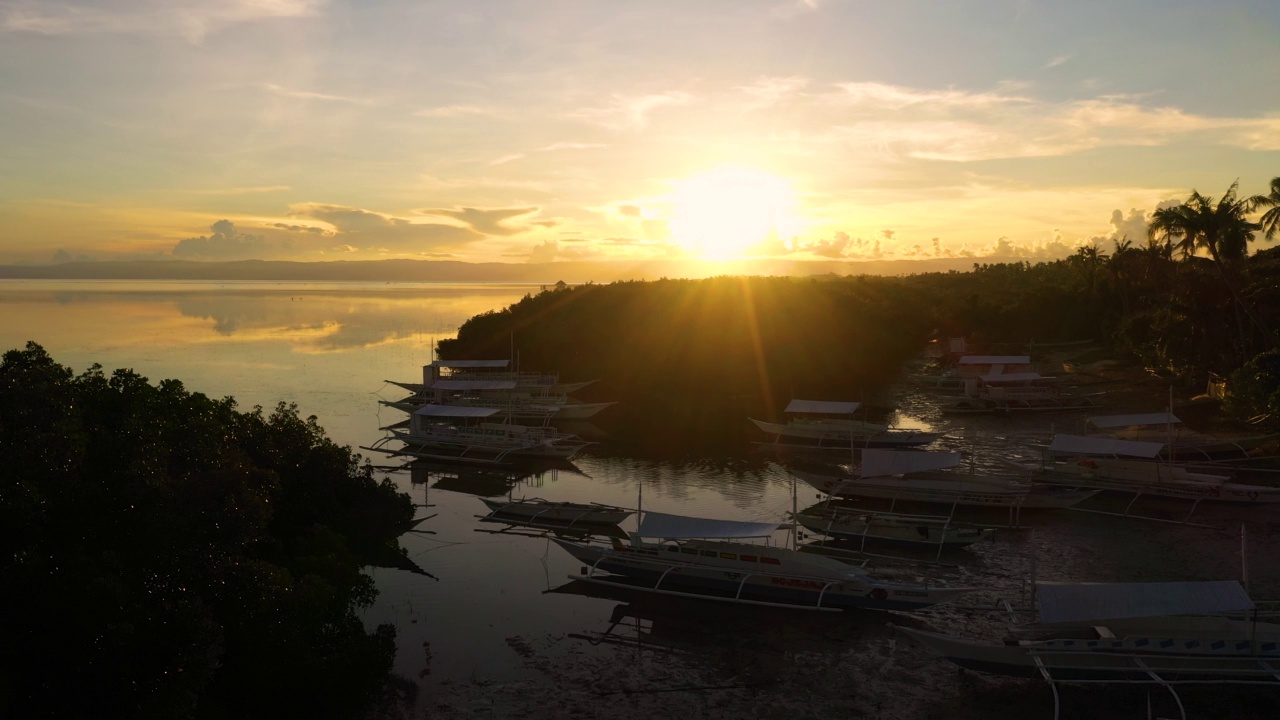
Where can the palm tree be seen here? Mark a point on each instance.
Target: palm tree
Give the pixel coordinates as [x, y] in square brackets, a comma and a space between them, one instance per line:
[1222, 230]
[1271, 218]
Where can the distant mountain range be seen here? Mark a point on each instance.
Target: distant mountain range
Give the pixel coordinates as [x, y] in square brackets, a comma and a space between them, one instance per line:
[452, 271]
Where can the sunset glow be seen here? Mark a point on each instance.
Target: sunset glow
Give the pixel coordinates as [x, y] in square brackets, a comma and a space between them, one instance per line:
[721, 215]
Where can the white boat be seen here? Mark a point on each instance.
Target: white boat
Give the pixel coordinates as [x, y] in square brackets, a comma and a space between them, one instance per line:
[491, 383]
[1129, 633]
[830, 425]
[708, 559]
[923, 477]
[547, 512]
[1177, 441]
[461, 433]
[1132, 466]
[859, 526]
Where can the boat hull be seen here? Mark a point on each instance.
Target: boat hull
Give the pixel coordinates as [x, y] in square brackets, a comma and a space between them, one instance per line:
[655, 573]
[871, 528]
[556, 512]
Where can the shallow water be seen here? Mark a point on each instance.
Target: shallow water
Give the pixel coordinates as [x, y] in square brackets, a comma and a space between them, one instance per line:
[502, 621]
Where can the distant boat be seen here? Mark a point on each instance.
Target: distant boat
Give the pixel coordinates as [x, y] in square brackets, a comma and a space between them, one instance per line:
[830, 425]
[547, 512]
[865, 526]
[1177, 441]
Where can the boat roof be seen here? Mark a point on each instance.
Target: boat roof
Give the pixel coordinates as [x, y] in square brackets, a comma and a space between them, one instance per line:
[995, 360]
[1087, 602]
[662, 525]
[461, 364]
[822, 407]
[1080, 445]
[880, 461]
[462, 411]
[474, 385]
[1115, 421]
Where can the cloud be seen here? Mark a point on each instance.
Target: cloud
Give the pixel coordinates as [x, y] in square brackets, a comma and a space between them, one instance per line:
[488, 222]
[771, 90]
[301, 228]
[295, 94]
[190, 19]
[1060, 60]
[545, 252]
[632, 112]
[449, 111]
[378, 232]
[224, 243]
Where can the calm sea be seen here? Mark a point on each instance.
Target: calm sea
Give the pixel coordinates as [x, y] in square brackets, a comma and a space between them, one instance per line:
[500, 610]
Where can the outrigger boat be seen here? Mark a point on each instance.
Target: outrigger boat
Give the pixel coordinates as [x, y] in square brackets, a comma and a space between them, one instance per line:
[459, 433]
[829, 425]
[927, 477]
[702, 558]
[492, 383]
[865, 526]
[547, 512]
[1129, 633]
[1178, 442]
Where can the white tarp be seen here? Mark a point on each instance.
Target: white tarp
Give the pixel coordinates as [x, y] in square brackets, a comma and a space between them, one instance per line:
[1080, 445]
[473, 385]
[995, 360]
[457, 411]
[662, 525]
[822, 407]
[465, 364]
[1088, 602]
[877, 462]
[1141, 419]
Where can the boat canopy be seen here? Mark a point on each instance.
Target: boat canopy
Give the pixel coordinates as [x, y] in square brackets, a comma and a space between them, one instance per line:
[1114, 421]
[473, 385]
[466, 364]
[995, 360]
[822, 407]
[877, 462]
[1012, 377]
[456, 411]
[662, 525]
[1088, 602]
[1080, 445]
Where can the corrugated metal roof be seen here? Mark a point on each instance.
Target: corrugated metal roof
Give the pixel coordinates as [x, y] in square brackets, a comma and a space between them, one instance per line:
[1115, 421]
[1089, 602]
[822, 407]
[1079, 445]
[877, 462]
[662, 525]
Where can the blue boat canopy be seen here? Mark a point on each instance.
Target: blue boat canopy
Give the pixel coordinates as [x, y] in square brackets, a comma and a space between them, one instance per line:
[1090, 602]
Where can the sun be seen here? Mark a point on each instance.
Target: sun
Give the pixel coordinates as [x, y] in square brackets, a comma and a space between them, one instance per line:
[722, 214]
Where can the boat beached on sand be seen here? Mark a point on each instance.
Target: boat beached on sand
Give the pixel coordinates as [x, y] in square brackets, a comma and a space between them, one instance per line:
[1149, 633]
[709, 559]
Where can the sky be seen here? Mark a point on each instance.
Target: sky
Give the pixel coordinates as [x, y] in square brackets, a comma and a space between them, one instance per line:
[566, 130]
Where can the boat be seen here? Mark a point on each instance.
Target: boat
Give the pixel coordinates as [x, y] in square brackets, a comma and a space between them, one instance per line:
[865, 526]
[520, 395]
[1132, 466]
[709, 559]
[463, 434]
[1178, 441]
[927, 477]
[829, 425]
[1017, 393]
[547, 512]
[1164, 633]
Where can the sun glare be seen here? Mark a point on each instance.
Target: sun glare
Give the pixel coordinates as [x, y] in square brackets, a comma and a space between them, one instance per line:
[720, 215]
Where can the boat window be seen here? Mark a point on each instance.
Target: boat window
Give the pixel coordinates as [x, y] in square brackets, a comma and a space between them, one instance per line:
[747, 558]
[689, 551]
[708, 553]
[770, 561]
[672, 548]
[728, 556]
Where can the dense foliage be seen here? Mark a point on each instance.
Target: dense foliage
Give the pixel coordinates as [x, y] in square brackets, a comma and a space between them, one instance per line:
[167, 556]
[688, 358]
